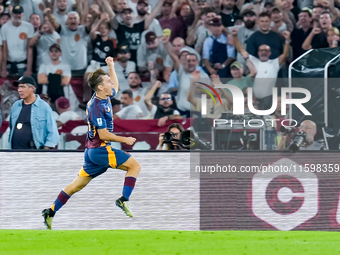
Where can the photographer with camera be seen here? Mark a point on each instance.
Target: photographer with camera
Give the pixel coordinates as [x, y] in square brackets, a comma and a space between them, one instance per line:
[304, 139]
[170, 139]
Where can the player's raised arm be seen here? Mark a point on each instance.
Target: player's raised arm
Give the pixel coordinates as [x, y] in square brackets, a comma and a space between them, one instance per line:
[113, 76]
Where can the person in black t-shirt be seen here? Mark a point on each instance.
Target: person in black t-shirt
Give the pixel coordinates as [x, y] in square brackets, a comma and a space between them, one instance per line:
[229, 12]
[265, 36]
[131, 33]
[318, 37]
[299, 35]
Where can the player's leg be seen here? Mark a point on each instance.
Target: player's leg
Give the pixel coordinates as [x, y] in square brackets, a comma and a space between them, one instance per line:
[78, 184]
[132, 168]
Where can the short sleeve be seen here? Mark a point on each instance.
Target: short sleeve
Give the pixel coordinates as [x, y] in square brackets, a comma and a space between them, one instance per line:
[3, 33]
[254, 60]
[98, 117]
[168, 62]
[30, 33]
[121, 114]
[206, 48]
[67, 71]
[42, 69]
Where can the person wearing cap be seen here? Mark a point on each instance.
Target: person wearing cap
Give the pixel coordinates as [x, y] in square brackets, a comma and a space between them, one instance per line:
[46, 37]
[230, 9]
[277, 23]
[265, 36]
[299, 35]
[143, 9]
[130, 33]
[123, 67]
[65, 113]
[152, 50]
[184, 75]
[55, 75]
[240, 81]
[172, 22]
[182, 56]
[199, 30]
[267, 69]
[27, 6]
[244, 32]
[74, 41]
[32, 125]
[217, 53]
[17, 58]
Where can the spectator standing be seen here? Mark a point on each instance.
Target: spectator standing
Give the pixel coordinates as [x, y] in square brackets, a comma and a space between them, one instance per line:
[217, 53]
[74, 40]
[17, 58]
[299, 35]
[32, 125]
[265, 36]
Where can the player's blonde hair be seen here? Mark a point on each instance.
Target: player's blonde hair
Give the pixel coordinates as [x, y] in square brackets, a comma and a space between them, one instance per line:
[95, 79]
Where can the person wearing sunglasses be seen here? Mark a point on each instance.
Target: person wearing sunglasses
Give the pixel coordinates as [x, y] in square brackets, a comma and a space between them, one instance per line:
[164, 110]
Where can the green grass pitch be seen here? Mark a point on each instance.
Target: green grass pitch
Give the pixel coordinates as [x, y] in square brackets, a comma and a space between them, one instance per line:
[138, 242]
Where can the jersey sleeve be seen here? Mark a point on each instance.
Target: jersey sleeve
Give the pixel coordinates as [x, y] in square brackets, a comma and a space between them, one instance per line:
[98, 117]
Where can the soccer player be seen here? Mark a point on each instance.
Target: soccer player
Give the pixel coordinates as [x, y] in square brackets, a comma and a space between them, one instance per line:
[98, 153]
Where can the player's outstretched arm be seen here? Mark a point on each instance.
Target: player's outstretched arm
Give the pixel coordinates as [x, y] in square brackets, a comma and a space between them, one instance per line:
[105, 135]
[113, 76]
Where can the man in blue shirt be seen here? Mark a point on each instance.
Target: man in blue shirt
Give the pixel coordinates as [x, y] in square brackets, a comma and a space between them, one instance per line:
[99, 156]
[217, 53]
[32, 125]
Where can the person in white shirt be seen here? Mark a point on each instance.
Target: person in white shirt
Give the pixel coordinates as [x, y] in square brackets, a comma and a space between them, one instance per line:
[184, 76]
[46, 37]
[60, 13]
[267, 69]
[18, 56]
[74, 41]
[152, 50]
[65, 114]
[55, 77]
[130, 110]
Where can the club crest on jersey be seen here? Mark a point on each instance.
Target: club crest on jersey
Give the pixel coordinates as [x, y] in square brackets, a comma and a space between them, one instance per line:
[99, 121]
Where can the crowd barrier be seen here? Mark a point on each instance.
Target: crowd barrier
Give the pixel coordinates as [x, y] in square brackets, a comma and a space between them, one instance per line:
[171, 195]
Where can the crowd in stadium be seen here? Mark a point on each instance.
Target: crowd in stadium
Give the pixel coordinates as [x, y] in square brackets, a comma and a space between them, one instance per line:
[162, 48]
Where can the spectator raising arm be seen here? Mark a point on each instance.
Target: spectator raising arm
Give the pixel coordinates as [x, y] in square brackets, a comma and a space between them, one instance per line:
[153, 14]
[149, 95]
[307, 44]
[282, 58]
[53, 21]
[95, 26]
[108, 9]
[165, 41]
[195, 77]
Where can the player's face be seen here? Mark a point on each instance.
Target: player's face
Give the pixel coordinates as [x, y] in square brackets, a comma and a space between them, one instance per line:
[72, 22]
[107, 85]
[165, 100]
[35, 21]
[61, 5]
[25, 91]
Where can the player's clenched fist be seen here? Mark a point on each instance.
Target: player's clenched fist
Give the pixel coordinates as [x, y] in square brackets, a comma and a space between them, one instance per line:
[130, 140]
[109, 61]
